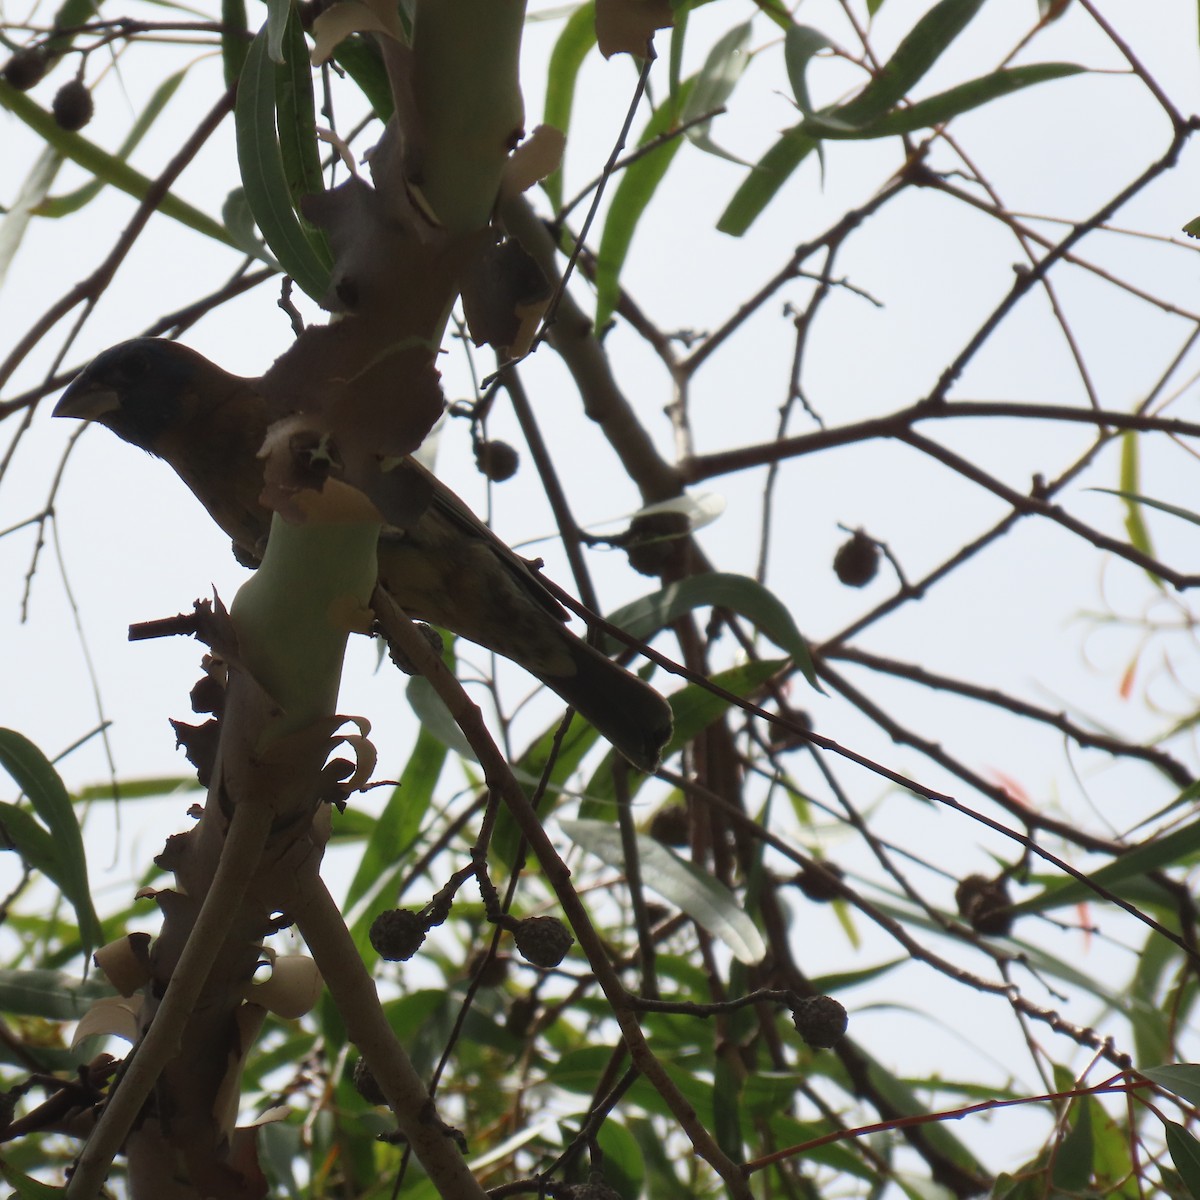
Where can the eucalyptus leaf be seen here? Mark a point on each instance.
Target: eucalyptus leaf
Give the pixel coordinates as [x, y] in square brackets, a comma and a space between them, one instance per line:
[739, 593]
[709, 903]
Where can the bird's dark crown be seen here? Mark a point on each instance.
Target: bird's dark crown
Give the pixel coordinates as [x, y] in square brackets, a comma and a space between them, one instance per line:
[149, 376]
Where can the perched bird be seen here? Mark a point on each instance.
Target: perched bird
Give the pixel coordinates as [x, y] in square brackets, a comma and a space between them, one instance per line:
[445, 566]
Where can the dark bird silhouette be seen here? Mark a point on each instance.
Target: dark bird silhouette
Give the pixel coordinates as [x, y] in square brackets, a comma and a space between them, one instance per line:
[444, 566]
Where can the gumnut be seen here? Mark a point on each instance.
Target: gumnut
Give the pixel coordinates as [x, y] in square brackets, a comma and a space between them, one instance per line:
[856, 560]
[820, 1020]
[815, 882]
[542, 941]
[26, 68]
[72, 105]
[985, 904]
[397, 934]
[497, 460]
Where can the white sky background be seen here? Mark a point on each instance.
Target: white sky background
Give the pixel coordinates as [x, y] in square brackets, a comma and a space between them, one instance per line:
[137, 546]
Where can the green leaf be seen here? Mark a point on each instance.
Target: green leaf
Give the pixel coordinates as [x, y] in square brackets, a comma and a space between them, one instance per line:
[21, 832]
[917, 52]
[766, 177]
[296, 116]
[1073, 1163]
[709, 903]
[713, 86]
[935, 110]
[1159, 852]
[265, 179]
[235, 39]
[435, 717]
[623, 1166]
[800, 43]
[29, 200]
[1135, 526]
[1185, 513]
[239, 220]
[51, 995]
[359, 57]
[1180, 1079]
[727, 1106]
[1185, 1154]
[27, 1188]
[400, 822]
[576, 40]
[38, 779]
[112, 170]
[278, 14]
[738, 593]
[638, 185]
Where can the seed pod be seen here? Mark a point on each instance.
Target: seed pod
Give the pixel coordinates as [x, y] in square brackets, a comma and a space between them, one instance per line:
[985, 904]
[815, 882]
[543, 941]
[820, 1020]
[857, 560]
[397, 934]
[497, 460]
[657, 542]
[72, 105]
[26, 68]
[671, 825]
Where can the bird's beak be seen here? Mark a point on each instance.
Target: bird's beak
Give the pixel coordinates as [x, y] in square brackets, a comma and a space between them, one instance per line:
[87, 400]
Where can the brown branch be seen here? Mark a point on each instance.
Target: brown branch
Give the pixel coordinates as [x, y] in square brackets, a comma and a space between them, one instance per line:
[1178, 774]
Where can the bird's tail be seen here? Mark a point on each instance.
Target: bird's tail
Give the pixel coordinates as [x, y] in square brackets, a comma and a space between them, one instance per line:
[623, 708]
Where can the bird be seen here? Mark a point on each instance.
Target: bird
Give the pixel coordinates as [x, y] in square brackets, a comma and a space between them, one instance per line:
[444, 566]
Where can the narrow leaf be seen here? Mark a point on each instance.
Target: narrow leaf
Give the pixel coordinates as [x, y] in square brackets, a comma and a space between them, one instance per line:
[1185, 1154]
[738, 593]
[235, 39]
[359, 57]
[38, 779]
[941, 108]
[1180, 1079]
[917, 52]
[714, 84]
[28, 200]
[296, 117]
[1153, 855]
[20, 832]
[634, 192]
[51, 995]
[766, 177]
[264, 178]
[576, 40]
[278, 12]
[709, 903]
[1185, 513]
[400, 822]
[800, 43]
[1073, 1163]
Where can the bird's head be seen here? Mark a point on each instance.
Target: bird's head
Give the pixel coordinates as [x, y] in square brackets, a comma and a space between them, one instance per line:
[136, 389]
